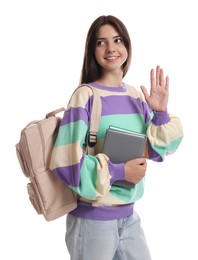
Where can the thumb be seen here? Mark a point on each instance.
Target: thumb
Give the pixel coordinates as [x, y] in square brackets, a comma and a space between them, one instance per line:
[142, 160]
[145, 92]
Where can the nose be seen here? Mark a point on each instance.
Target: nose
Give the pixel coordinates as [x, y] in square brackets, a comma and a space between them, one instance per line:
[111, 47]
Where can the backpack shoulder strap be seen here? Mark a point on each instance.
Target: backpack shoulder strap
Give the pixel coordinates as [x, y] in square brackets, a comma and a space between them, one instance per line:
[95, 118]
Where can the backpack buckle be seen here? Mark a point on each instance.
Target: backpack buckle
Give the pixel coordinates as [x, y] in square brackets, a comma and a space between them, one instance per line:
[92, 140]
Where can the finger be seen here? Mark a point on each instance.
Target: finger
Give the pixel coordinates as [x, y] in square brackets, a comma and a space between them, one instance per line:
[152, 78]
[167, 83]
[145, 92]
[162, 77]
[157, 75]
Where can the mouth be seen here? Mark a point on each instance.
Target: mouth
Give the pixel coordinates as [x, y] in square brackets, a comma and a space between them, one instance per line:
[111, 58]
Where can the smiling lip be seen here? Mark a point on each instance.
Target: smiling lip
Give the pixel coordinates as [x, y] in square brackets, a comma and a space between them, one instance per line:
[112, 57]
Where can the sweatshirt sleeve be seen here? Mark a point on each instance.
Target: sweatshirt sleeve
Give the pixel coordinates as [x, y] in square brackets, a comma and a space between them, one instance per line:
[164, 131]
[165, 134]
[87, 175]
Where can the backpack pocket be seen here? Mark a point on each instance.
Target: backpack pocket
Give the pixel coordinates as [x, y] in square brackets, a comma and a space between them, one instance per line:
[33, 197]
[54, 195]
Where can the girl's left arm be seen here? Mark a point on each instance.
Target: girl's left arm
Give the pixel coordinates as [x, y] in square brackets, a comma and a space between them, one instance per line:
[164, 131]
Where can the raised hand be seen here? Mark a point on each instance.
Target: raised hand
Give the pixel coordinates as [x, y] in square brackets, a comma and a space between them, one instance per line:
[159, 91]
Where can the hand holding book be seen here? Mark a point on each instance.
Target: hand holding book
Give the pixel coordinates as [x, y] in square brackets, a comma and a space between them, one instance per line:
[123, 146]
[135, 170]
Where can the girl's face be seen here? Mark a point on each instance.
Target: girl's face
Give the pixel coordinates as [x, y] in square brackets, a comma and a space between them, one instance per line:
[110, 51]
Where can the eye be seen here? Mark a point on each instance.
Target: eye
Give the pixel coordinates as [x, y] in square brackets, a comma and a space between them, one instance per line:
[100, 42]
[118, 40]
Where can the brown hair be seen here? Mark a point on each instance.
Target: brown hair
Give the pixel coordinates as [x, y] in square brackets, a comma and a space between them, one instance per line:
[91, 70]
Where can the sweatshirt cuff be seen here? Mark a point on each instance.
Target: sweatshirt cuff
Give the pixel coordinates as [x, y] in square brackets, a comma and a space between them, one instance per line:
[160, 118]
[116, 172]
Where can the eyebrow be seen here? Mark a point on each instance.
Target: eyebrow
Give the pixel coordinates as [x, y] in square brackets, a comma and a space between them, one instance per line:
[102, 38]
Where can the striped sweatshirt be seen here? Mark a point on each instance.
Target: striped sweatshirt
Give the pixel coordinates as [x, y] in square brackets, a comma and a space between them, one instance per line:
[93, 177]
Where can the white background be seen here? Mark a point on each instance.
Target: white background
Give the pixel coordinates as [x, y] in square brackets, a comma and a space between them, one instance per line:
[41, 52]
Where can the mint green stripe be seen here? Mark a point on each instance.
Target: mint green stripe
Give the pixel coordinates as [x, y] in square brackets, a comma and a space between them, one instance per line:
[127, 194]
[131, 122]
[71, 133]
[170, 148]
[88, 177]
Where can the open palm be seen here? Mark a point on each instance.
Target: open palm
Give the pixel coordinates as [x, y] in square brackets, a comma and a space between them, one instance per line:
[159, 91]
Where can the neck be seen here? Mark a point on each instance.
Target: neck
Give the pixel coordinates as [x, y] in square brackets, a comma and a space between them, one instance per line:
[110, 80]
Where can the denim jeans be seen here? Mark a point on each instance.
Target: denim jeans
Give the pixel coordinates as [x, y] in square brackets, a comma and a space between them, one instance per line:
[121, 239]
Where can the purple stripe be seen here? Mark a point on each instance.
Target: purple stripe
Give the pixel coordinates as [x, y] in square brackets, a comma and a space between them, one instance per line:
[75, 114]
[153, 155]
[70, 175]
[87, 211]
[147, 112]
[160, 118]
[112, 105]
[116, 171]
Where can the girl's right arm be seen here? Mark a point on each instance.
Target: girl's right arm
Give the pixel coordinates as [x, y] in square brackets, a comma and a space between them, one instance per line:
[90, 176]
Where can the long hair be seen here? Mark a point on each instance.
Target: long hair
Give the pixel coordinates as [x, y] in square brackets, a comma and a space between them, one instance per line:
[91, 70]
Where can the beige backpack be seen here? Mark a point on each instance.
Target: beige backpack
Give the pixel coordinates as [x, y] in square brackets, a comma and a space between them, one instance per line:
[47, 193]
